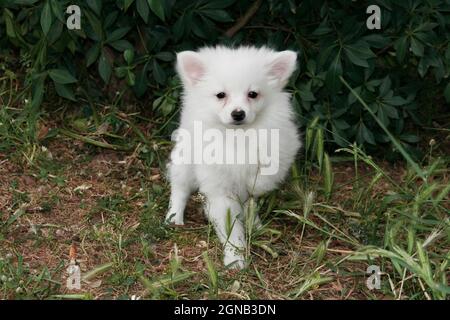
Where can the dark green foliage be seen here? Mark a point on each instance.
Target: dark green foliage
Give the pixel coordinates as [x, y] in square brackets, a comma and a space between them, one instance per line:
[401, 71]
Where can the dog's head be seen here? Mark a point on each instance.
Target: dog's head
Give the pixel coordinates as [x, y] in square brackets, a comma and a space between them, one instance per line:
[235, 84]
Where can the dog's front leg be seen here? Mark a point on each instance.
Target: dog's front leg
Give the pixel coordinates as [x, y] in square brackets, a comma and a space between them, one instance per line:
[181, 185]
[224, 215]
[178, 199]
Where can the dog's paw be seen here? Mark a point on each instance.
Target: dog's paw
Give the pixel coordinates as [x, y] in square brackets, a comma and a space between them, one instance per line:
[174, 218]
[234, 261]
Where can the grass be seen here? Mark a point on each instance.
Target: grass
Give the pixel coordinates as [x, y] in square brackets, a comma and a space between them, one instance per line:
[90, 183]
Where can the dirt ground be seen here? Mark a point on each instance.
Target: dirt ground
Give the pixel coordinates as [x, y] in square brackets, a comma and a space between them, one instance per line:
[108, 207]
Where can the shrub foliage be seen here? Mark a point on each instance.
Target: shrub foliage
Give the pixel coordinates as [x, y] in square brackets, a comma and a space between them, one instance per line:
[399, 70]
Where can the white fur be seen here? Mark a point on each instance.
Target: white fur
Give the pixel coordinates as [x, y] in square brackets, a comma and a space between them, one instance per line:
[228, 187]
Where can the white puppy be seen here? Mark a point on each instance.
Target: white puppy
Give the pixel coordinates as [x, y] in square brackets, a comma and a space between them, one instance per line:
[232, 90]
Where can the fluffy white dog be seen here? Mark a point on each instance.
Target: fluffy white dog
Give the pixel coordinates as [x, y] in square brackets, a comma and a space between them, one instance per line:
[238, 90]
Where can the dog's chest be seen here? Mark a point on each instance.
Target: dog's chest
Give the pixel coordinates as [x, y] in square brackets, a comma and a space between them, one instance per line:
[234, 178]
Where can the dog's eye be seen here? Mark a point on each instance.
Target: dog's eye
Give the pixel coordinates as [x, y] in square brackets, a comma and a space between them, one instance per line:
[221, 95]
[252, 94]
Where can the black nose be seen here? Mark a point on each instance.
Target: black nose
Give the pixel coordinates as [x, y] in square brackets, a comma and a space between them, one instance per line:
[238, 115]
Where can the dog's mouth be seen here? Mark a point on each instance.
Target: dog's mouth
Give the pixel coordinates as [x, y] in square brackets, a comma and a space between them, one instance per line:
[236, 123]
[239, 122]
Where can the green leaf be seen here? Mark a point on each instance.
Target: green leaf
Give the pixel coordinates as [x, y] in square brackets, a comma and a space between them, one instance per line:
[382, 116]
[334, 72]
[390, 111]
[410, 138]
[57, 10]
[121, 45]
[179, 28]
[417, 47]
[339, 137]
[341, 124]
[165, 56]
[322, 29]
[166, 107]
[64, 91]
[10, 28]
[377, 40]
[141, 81]
[157, 8]
[424, 65]
[400, 47]
[61, 76]
[121, 71]
[95, 24]
[55, 33]
[306, 93]
[157, 102]
[129, 55]
[110, 19]
[95, 5]
[127, 4]
[217, 15]
[199, 28]
[358, 53]
[367, 134]
[427, 26]
[142, 8]
[362, 50]
[117, 34]
[104, 68]
[158, 73]
[92, 54]
[130, 78]
[385, 86]
[46, 17]
[355, 59]
[395, 101]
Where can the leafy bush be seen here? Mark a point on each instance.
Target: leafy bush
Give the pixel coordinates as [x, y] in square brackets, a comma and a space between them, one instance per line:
[129, 45]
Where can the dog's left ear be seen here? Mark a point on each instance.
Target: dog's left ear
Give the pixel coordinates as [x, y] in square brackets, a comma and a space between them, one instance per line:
[190, 67]
[281, 67]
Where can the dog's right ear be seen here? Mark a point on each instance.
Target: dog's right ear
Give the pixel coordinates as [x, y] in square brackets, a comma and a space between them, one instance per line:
[281, 67]
[190, 67]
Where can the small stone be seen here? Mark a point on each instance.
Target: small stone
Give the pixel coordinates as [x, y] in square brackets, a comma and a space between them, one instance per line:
[202, 244]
